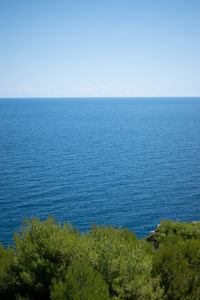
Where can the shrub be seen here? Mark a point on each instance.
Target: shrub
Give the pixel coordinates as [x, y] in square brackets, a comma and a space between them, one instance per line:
[124, 263]
[177, 261]
[7, 280]
[43, 251]
[81, 282]
[183, 230]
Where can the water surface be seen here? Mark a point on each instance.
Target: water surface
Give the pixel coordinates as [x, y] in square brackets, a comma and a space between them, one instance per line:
[126, 162]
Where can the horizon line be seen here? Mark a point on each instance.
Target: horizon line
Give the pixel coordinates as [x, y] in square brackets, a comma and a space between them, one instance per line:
[97, 97]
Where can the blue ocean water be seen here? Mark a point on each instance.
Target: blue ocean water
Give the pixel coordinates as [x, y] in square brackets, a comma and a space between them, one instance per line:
[127, 162]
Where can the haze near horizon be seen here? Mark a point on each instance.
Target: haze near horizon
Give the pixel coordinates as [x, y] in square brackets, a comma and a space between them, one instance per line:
[99, 48]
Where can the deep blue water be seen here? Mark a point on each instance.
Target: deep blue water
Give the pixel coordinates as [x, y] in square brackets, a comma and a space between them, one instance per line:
[127, 162]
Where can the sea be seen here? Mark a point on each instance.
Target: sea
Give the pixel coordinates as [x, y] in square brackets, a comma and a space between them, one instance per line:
[129, 162]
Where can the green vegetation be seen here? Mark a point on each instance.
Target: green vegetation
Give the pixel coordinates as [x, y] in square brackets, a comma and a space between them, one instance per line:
[50, 261]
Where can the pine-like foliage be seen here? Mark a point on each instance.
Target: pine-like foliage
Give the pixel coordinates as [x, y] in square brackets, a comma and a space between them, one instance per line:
[50, 261]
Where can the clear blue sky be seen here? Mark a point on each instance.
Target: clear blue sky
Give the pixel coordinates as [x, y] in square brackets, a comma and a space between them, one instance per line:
[99, 48]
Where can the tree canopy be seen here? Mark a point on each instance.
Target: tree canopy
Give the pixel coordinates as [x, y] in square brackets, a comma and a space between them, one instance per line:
[50, 261]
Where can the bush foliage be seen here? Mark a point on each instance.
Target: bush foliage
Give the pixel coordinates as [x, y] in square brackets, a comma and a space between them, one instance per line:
[50, 261]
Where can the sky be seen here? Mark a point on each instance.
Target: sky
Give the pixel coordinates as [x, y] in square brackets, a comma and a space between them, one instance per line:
[99, 48]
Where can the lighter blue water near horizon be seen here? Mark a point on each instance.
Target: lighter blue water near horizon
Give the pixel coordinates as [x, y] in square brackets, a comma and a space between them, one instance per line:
[130, 162]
